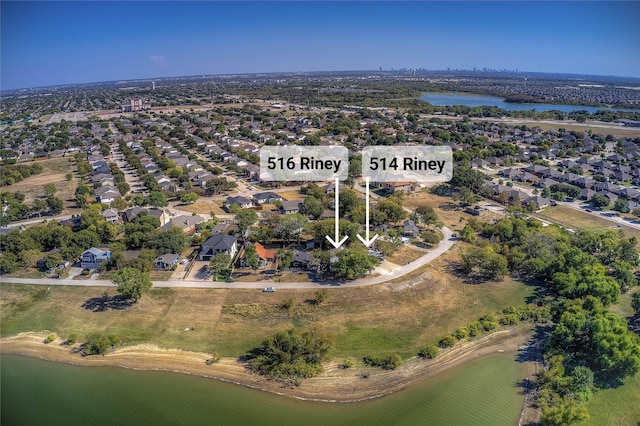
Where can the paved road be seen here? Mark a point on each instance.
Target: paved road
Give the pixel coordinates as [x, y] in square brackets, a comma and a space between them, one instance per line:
[444, 245]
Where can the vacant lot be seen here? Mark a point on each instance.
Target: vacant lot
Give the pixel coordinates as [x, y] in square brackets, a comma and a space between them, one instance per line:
[394, 317]
[204, 207]
[405, 254]
[576, 219]
[449, 212]
[54, 171]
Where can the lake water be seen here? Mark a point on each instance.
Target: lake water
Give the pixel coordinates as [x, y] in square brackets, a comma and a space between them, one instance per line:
[471, 100]
[34, 392]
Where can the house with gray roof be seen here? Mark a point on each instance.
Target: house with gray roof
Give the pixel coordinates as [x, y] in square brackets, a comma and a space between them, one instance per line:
[218, 244]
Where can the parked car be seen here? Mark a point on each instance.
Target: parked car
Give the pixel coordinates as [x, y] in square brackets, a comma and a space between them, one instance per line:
[269, 290]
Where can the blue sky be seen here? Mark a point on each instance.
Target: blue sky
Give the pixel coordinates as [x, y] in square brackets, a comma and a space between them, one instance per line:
[47, 43]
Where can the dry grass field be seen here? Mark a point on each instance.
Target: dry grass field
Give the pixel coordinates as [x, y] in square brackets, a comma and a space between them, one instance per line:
[54, 171]
[405, 254]
[579, 220]
[204, 207]
[394, 317]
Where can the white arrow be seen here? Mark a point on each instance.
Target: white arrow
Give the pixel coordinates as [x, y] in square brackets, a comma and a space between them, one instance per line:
[366, 241]
[335, 242]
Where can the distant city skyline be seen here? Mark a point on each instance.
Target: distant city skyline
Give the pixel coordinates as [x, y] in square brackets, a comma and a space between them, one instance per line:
[55, 43]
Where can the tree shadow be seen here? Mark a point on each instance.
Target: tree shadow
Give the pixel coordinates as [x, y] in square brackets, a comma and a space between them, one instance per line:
[449, 206]
[104, 303]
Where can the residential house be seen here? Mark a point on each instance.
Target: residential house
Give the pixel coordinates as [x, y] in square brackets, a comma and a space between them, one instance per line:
[265, 255]
[409, 229]
[290, 206]
[93, 257]
[218, 244]
[186, 223]
[266, 197]
[111, 215]
[166, 261]
[106, 194]
[240, 201]
[301, 260]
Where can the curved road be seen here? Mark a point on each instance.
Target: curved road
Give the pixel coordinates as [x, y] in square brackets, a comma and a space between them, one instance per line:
[446, 243]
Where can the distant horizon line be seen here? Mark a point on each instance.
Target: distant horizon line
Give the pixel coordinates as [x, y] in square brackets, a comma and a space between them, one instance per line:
[378, 71]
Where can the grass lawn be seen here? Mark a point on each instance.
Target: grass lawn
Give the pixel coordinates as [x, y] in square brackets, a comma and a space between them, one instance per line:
[54, 171]
[577, 219]
[395, 317]
[616, 407]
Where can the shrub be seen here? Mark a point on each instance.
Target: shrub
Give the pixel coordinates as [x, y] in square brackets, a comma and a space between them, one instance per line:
[447, 342]
[428, 352]
[50, 338]
[475, 329]
[461, 333]
[215, 357]
[387, 362]
[347, 363]
[509, 319]
[73, 338]
[97, 344]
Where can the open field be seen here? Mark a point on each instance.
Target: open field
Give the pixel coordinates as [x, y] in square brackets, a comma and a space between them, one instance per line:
[204, 207]
[396, 317]
[579, 220]
[54, 171]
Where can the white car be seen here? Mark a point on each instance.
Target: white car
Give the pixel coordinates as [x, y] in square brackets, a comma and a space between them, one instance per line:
[269, 290]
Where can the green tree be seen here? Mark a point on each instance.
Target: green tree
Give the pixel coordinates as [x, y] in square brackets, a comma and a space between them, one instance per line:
[599, 200]
[621, 205]
[30, 257]
[69, 176]
[466, 196]
[284, 257]
[157, 199]
[292, 354]
[348, 200]
[245, 218]
[55, 205]
[565, 412]
[189, 198]
[635, 304]
[426, 215]
[312, 207]
[8, 263]
[50, 190]
[132, 283]
[353, 263]
[392, 210]
[218, 264]
[251, 258]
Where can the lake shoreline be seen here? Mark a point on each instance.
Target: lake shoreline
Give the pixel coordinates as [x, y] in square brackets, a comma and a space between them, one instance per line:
[334, 385]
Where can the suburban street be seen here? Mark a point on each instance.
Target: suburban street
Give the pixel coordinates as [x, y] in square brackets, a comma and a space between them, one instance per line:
[446, 243]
